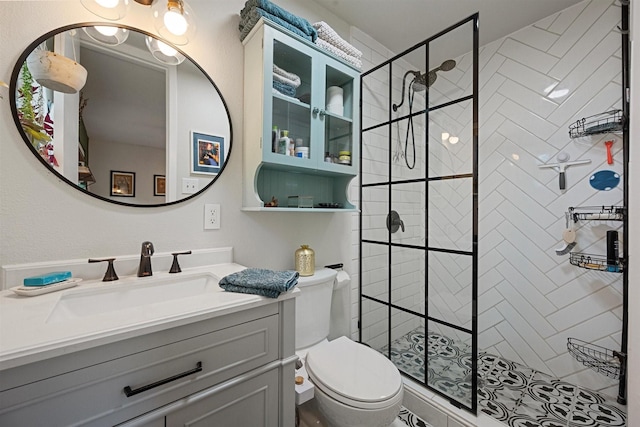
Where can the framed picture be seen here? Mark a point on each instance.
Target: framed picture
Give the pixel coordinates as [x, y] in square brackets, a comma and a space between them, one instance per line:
[207, 153]
[123, 184]
[158, 185]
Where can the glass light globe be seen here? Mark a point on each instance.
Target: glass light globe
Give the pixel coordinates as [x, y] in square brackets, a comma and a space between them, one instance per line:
[163, 52]
[107, 9]
[174, 20]
[107, 35]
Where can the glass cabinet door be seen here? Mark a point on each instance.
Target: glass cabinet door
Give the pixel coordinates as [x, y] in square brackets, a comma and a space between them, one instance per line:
[338, 130]
[288, 119]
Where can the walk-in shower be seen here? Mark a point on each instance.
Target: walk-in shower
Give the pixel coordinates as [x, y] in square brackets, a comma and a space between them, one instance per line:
[419, 227]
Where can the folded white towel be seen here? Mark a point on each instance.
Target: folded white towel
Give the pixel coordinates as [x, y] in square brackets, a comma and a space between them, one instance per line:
[357, 62]
[328, 34]
[287, 81]
[293, 79]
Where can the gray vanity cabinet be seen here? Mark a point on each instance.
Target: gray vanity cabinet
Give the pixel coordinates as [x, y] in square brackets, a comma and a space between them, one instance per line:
[238, 370]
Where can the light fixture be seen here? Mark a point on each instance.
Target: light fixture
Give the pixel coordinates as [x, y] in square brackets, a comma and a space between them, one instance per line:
[107, 34]
[445, 136]
[453, 140]
[163, 52]
[174, 20]
[107, 9]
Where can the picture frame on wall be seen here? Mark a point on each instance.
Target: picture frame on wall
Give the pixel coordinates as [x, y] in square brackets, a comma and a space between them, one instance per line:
[159, 185]
[123, 184]
[207, 153]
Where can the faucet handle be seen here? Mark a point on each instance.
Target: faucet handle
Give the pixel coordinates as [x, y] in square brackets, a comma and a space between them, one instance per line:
[110, 275]
[175, 267]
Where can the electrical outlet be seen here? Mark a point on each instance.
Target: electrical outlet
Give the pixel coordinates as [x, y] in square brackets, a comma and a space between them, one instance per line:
[211, 216]
[189, 185]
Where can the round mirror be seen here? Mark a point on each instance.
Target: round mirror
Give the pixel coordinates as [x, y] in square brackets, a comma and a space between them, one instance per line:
[120, 115]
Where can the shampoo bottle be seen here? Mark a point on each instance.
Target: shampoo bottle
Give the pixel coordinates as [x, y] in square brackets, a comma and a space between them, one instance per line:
[283, 143]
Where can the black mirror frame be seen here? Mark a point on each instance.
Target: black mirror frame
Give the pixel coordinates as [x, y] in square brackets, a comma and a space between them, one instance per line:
[14, 111]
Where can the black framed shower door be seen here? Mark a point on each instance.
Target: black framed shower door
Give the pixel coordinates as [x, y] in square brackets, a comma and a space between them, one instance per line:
[418, 243]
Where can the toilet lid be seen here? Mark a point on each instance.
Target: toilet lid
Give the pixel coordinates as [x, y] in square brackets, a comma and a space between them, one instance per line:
[353, 373]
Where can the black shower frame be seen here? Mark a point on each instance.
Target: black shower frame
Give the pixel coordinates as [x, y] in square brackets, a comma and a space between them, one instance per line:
[475, 204]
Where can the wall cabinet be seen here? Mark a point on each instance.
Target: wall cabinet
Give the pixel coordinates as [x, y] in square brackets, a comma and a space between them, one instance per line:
[235, 367]
[320, 114]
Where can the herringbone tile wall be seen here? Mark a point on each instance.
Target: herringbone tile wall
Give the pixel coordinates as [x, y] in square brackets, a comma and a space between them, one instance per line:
[533, 85]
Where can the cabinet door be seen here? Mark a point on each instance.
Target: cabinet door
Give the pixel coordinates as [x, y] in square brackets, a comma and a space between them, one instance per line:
[339, 91]
[289, 74]
[250, 403]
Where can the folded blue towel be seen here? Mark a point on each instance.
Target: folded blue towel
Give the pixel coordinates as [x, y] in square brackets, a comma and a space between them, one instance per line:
[278, 12]
[284, 88]
[259, 281]
[253, 16]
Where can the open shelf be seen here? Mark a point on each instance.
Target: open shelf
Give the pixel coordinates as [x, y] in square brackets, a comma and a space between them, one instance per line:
[595, 262]
[608, 122]
[600, 359]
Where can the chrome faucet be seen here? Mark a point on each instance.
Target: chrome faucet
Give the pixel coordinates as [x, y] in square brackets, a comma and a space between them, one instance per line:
[145, 260]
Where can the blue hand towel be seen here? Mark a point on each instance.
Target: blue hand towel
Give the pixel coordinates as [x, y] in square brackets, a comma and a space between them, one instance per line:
[284, 88]
[284, 15]
[259, 281]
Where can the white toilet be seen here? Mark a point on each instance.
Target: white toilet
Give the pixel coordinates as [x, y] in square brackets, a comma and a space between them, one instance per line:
[355, 386]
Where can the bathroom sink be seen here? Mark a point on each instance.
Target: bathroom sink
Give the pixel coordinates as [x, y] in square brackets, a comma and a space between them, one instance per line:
[134, 293]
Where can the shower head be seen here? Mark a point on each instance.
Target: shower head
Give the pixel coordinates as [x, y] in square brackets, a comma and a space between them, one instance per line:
[422, 81]
[425, 80]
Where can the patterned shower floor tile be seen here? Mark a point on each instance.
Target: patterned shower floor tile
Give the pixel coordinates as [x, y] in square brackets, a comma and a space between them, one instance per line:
[507, 391]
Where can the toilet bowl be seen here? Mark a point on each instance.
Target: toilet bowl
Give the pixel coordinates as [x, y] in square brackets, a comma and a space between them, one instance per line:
[355, 386]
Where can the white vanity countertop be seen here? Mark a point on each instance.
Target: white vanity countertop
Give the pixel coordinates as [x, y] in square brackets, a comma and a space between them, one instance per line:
[95, 313]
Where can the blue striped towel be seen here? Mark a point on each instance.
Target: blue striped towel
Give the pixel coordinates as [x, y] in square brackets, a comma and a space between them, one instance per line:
[259, 281]
[284, 15]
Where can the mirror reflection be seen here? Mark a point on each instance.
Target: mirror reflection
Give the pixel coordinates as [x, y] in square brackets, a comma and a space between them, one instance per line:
[121, 115]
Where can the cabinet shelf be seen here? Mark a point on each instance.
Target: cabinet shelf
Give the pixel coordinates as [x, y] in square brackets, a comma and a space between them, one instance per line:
[595, 262]
[608, 122]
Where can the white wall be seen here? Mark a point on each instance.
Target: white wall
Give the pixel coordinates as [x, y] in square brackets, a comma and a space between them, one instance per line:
[77, 226]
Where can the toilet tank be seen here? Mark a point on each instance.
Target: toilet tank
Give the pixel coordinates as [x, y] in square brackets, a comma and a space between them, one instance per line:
[313, 307]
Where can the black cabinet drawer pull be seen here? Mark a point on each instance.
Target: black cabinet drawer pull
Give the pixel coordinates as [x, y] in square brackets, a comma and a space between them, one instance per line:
[129, 392]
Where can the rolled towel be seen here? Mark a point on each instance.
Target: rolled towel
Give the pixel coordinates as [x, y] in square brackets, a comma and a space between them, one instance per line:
[259, 281]
[281, 13]
[328, 34]
[284, 88]
[287, 77]
[356, 62]
[253, 16]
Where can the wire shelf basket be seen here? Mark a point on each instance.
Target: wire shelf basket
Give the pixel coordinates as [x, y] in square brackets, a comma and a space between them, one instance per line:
[600, 359]
[607, 122]
[598, 213]
[595, 262]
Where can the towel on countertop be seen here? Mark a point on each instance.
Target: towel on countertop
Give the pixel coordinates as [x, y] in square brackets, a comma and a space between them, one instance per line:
[278, 12]
[285, 76]
[328, 34]
[253, 16]
[356, 62]
[259, 281]
[284, 88]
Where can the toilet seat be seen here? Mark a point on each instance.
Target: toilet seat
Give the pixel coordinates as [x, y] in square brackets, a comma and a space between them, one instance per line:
[354, 374]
